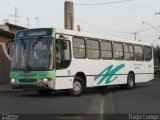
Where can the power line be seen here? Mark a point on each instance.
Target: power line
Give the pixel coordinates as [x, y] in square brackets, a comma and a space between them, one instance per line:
[84, 27]
[101, 28]
[138, 30]
[98, 29]
[101, 33]
[104, 3]
[144, 30]
[118, 10]
[151, 26]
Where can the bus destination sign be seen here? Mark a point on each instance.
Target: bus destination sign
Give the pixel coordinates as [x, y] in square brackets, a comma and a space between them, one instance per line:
[34, 33]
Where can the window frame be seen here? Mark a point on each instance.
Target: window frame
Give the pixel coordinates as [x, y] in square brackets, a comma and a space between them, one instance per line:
[104, 58]
[151, 52]
[93, 39]
[142, 51]
[118, 51]
[78, 47]
[130, 44]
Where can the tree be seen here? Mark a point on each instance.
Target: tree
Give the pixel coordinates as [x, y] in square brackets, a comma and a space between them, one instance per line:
[156, 51]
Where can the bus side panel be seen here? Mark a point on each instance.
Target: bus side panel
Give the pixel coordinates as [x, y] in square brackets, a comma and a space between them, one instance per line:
[143, 77]
[110, 72]
[63, 80]
[144, 71]
[100, 72]
[95, 71]
[149, 68]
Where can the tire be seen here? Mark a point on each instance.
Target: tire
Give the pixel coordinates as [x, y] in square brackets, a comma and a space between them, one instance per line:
[78, 87]
[130, 81]
[45, 92]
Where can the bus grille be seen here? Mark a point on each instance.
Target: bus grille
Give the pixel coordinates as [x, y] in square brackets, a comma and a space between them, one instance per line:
[27, 80]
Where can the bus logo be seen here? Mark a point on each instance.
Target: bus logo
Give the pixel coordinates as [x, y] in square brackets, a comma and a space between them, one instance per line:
[107, 74]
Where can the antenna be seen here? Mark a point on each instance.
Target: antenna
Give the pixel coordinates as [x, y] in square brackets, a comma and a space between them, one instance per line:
[28, 22]
[15, 16]
[37, 19]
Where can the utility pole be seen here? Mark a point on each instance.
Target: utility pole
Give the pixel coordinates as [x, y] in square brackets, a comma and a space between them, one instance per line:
[69, 15]
[15, 16]
[135, 34]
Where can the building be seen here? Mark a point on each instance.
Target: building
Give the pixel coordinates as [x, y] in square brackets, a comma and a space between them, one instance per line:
[7, 32]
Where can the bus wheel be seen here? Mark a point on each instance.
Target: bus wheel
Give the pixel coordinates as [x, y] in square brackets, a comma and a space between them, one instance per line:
[78, 87]
[44, 92]
[130, 81]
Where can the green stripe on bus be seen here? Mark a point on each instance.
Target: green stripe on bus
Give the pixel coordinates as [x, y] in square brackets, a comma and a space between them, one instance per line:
[109, 70]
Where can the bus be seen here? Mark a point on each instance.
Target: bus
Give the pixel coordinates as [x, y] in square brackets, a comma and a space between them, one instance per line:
[50, 59]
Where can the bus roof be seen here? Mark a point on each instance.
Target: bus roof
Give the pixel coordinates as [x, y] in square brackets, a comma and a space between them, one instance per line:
[89, 35]
[103, 37]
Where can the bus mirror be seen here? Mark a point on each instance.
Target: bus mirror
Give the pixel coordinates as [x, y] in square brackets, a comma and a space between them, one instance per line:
[64, 45]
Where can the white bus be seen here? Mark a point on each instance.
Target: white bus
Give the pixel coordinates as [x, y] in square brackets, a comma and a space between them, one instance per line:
[76, 61]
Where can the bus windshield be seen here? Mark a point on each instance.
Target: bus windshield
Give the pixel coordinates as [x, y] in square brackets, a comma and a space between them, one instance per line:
[32, 54]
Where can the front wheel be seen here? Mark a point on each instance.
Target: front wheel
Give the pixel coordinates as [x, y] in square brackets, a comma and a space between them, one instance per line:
[78, 87]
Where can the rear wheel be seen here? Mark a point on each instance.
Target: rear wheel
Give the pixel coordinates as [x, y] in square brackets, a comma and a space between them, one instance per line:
[44, 92]
[78, 87]
[130, 81]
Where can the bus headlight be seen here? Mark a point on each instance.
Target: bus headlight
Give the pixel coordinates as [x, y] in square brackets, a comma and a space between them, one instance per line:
[12, 80]
[45, 80]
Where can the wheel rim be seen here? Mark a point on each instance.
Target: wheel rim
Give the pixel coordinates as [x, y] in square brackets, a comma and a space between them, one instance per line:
[77, 87]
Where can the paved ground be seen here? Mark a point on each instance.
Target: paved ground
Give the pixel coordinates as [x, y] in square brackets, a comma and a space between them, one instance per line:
[144, 98]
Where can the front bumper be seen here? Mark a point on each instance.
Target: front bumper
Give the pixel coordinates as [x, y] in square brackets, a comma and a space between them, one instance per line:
[39, 85]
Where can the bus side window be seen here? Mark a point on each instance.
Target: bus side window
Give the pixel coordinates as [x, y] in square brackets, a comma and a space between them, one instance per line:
[129, 52]
[139, 55]
[106, 50]
[118, 51]
[79, 48]
[147, 53]
[93, 49]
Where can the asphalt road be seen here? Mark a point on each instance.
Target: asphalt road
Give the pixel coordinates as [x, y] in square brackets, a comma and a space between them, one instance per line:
[143, 99]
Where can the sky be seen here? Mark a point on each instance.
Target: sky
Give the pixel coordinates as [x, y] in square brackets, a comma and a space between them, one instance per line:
[117, 18]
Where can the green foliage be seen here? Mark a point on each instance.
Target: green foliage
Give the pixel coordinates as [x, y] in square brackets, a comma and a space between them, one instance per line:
[156, 51]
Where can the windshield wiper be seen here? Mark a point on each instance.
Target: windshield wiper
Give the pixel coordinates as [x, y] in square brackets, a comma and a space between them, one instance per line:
[37, 41]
